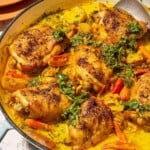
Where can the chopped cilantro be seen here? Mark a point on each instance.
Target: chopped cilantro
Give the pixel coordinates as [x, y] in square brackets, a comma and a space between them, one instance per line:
[134, 27]
[132, 44]
[72, 112]
[89, 41]
[127, 43]
[58, 35]
[35, 82]
[65, 87]
[114, 56]
[131, 105]
[95, 43]
[81, 38]
[76, 40]
[135, 105]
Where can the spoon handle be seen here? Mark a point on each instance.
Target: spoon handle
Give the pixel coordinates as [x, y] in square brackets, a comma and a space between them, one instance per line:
[136, 9]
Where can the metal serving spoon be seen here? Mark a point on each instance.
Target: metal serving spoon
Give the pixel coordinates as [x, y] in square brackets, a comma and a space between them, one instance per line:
[135, 9]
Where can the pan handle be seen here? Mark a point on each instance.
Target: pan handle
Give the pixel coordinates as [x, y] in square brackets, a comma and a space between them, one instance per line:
[4, 127]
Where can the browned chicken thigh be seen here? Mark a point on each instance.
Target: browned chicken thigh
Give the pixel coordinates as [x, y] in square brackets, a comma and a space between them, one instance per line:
[118, 23]
[87, 70]
[33, 48]
[44, 102]
[95, 123]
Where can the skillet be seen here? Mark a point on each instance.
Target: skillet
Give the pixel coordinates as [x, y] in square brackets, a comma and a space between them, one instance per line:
[23, 20]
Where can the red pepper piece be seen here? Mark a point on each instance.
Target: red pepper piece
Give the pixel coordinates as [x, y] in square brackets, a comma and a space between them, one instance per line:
[118, 86]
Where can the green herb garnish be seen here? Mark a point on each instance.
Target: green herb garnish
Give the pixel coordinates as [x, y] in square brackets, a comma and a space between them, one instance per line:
[35, 82]
[72, 112]
[65, 87]
[58, 35]
[135, 105]
[134, 27]
[82, 38]
[76, 40]
[89, 41]
[114, 56]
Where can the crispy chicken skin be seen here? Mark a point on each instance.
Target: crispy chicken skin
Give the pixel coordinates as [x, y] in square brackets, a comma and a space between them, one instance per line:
[33, 48]
[95, 123]
[85, 68]
[115, 23]
[44, 102]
